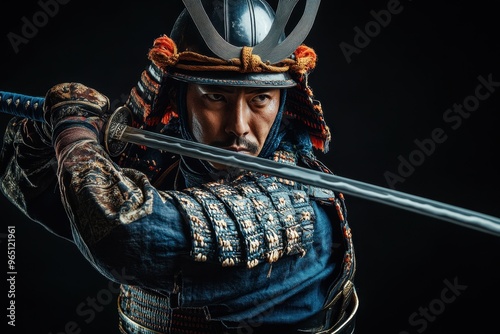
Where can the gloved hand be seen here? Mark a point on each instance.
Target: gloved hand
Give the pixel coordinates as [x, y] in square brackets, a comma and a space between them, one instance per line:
[75, 105]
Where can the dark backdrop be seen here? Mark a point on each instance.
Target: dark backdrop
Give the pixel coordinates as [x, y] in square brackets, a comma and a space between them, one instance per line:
[382, 96]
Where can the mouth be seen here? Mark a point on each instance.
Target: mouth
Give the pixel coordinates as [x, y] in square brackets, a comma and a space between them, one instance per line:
[239, 149]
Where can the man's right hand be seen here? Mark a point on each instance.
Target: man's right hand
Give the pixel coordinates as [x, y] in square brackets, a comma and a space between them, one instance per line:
[73, 104]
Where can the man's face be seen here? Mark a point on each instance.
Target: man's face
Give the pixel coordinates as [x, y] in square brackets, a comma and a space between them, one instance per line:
[234, 118]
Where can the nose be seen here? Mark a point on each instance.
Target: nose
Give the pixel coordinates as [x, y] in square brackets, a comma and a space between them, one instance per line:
[238, 117]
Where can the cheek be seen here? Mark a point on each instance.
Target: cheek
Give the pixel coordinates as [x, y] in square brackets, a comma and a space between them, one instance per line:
[202, 127]
[265, 123]
[195, 126]
[195, 122]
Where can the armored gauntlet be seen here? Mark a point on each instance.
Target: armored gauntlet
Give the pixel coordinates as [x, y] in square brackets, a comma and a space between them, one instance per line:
[75, 105]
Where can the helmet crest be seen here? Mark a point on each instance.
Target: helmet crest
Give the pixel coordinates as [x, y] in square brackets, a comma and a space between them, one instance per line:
[270, 49]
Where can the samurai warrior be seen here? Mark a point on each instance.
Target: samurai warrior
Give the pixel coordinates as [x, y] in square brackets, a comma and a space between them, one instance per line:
[211, 248]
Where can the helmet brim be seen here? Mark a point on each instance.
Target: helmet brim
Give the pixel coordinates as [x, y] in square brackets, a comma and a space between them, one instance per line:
[264, 80]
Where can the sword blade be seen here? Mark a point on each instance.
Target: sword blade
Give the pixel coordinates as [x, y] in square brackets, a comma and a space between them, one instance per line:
[31, 107]
[424, 206]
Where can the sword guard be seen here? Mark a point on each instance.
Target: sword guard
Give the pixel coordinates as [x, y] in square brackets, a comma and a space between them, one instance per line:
[116, 124]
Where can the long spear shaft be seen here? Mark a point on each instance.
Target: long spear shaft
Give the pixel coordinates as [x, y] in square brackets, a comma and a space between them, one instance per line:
[117, 131]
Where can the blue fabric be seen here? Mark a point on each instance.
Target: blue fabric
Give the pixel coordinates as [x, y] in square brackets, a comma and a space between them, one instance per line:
[150, 250]
[277, 132]
[286, 291]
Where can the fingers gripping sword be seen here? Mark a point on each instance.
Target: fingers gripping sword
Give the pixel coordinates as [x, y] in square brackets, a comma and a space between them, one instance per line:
[118, 134]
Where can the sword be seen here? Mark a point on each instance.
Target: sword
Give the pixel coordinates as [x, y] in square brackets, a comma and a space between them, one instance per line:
[118, 134]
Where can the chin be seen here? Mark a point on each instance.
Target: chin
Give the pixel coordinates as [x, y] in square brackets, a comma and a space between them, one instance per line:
[226, 172]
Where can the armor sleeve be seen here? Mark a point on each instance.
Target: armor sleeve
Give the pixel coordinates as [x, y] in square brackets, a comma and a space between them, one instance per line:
[250, 220]
[120, 218]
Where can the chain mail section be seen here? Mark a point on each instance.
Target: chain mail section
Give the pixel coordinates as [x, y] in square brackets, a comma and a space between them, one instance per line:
[251, 220]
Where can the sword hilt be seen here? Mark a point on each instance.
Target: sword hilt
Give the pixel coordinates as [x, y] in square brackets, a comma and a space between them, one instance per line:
[22, 105]
[31, 107]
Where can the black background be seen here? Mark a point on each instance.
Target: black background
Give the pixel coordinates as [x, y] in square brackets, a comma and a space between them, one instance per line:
[394, 90]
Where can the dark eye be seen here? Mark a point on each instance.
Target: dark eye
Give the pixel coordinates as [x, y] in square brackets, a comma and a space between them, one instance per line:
[261, 98]
[215, 97]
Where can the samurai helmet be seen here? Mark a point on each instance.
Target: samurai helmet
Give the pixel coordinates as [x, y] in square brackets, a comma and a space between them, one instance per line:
[235, 43]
